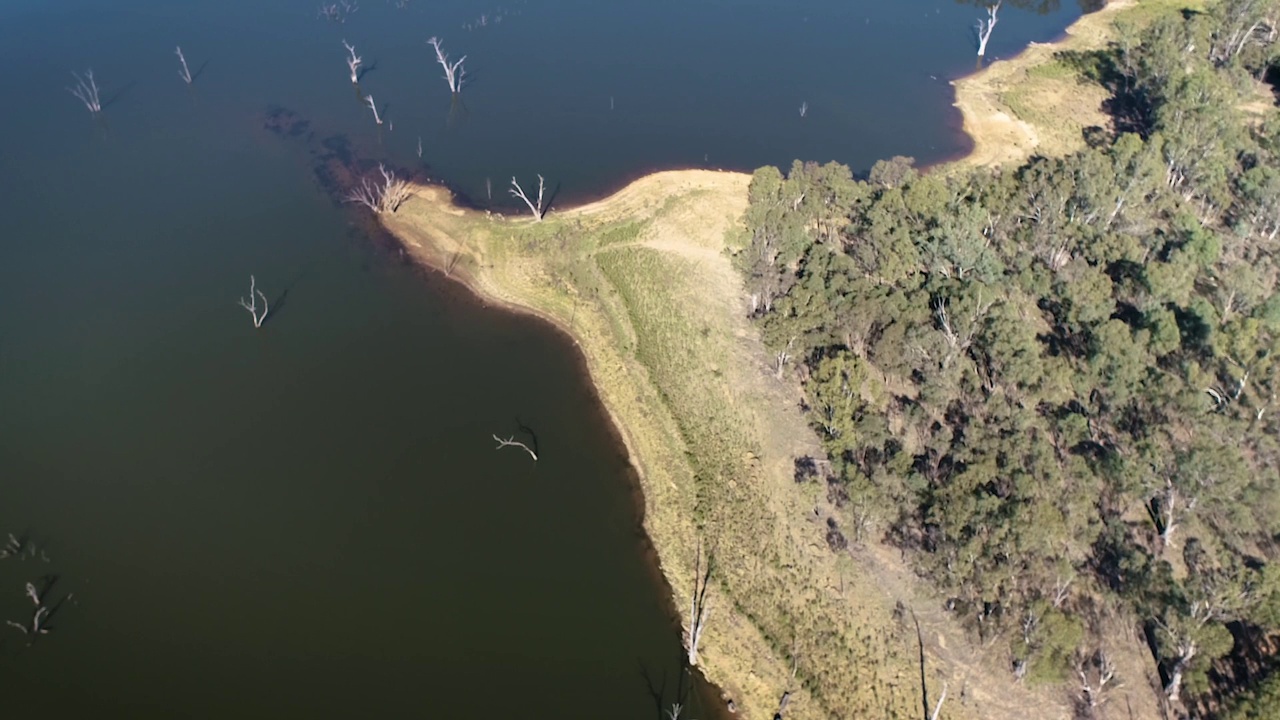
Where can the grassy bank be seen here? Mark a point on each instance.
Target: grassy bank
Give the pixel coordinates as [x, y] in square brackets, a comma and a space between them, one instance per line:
[644, 283]
[1035, 102]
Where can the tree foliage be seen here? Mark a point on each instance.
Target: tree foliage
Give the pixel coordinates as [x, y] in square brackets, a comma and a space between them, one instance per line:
[1056, 384]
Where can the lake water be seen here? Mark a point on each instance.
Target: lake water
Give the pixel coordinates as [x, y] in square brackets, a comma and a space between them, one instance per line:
[310, 519]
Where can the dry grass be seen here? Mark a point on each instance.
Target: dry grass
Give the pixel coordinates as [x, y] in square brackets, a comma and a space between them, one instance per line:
[1036, 104]
[643, 282]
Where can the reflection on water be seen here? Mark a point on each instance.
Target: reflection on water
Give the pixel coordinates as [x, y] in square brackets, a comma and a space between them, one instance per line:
[310, 519]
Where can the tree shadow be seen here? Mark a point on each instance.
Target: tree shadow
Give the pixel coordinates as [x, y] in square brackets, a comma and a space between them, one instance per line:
[533, 437]
[199, 71]
[457, 111]
[278, 304]
[551, 200]
[115, 97]
[658, 692]
[371, 67]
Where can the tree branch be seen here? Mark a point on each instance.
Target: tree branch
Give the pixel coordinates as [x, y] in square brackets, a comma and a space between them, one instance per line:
[512, 442]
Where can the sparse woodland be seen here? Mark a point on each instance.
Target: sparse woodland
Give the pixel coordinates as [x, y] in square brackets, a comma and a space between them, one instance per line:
[1055, 386]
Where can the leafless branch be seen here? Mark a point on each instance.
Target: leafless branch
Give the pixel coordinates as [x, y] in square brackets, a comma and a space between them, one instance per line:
[699, 605]
[31, 593]
[353, 64]
[185, 72]
[368, 99]
[937, 709]
[384, 197]
[453, 72]
[11, 623]
[985, 28]
[536, 208]
[252, 304]
[512, 442]
[37, 619]
[87, 90]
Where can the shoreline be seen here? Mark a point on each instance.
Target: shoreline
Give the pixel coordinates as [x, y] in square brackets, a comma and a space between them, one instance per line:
[1002, 133]
[752, 678]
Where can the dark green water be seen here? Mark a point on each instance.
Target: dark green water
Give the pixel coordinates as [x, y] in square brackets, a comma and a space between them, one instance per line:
[310, 520]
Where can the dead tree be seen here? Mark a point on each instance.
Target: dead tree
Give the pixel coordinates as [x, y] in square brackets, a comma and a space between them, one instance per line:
[512, 442]
[87, 90]
[252, 304]
[985, 28]
[699, 605]
[185, 72]
[11, 548]
[1096, 672]
[368, 99]
[384, 197]
[536, 208]
[453, 72]
[31, 593]
[353, 64]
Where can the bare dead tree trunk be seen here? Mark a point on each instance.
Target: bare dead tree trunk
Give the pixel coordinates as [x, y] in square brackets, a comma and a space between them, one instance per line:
[36, 629]
[536, 208]
[368, 99]
[453, 72]
[87, 90]
[353, 63]
[985, 28]
[419, 147]
[1173, 689]
[384, 197]
[1096, 672]
[31, 593]
[252, 304]
[937, 709]
[512, 442]
[699, 607]
[185, 72]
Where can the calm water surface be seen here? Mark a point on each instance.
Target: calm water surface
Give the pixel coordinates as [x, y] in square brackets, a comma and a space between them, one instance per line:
[309, 520]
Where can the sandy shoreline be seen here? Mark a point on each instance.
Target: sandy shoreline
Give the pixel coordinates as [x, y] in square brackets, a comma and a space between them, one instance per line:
[1010, 115]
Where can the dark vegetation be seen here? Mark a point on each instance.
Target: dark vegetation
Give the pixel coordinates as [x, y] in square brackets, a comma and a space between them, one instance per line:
[1055, 386]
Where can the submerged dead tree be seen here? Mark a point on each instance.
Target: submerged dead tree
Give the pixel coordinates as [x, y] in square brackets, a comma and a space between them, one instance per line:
[985, 28]
[536, 208]
[252, 304]
[353, 62]
[185, 72]
[381, 197]
[453, 72]
[512, 442]
[699, 607]
[368, 100]
[87, 90]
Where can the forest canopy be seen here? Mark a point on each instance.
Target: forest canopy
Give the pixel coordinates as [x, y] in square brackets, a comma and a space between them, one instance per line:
[1055, 386]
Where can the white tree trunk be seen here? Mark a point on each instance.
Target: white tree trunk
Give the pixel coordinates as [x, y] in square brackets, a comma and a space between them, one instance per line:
[453, 72]
[185, 72]
[536, 208]
[252, 304]
[985, 28]
[353, 63]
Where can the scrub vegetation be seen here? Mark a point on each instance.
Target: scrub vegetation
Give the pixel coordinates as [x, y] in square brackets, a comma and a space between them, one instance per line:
[1054, 385]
